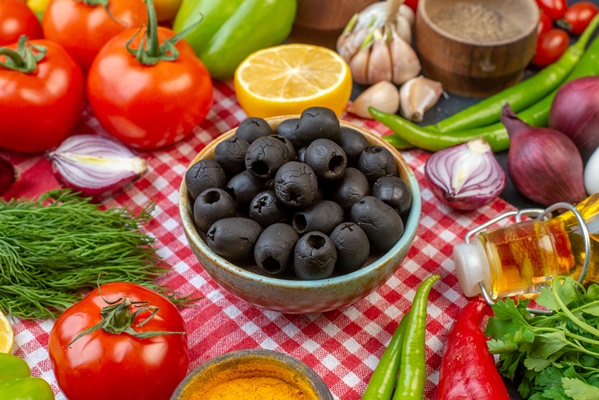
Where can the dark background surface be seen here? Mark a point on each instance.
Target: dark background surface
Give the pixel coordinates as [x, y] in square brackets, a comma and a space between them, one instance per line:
[449, 104]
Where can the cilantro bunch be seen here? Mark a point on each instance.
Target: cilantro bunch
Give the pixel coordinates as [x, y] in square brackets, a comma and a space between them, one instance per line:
[557, 354]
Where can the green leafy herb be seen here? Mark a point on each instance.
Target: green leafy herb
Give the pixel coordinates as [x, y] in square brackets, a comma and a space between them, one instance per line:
[557, 354]
[53, 249]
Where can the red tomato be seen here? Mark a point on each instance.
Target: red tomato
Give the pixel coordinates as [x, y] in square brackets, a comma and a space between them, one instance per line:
[83, 29]
[41, 108]
[148, 107]
[545, 24]
[101, 365]
[17, 19]
[550, 46]
[554, 9]
[413, 4]
[578, 17]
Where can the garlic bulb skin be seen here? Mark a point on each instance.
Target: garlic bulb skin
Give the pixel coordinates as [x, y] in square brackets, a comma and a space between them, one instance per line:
[379, 37]
[591, 173]
[417, 96]
[382, 95]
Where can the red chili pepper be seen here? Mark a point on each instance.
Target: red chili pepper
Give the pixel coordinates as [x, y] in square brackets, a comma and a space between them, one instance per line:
[468, 369]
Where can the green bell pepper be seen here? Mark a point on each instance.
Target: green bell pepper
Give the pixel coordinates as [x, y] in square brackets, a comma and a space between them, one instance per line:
[233, 29]
[16, 382]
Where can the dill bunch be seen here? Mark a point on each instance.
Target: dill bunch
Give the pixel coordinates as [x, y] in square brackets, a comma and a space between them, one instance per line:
[52, 251]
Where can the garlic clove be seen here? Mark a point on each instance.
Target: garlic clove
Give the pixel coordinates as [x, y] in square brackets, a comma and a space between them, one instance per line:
[406, 64]
[406, 13]
[403, 28]
[95, 165]
[591, 173]
[379, 63]
[382, 95]
[417, 96]
[358, 66]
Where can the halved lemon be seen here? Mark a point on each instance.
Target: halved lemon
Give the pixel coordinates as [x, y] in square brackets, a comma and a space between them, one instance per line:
[7, 335]
[289, 78]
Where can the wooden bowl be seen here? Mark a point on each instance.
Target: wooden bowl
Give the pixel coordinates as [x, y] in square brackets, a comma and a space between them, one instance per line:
[476, 62]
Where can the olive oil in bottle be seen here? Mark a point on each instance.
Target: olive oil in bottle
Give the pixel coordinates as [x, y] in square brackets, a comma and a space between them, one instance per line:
[519, 259]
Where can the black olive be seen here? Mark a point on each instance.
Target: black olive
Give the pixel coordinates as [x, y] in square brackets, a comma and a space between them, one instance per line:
[289, 145]
[252, 128]
[381, 223]
[274, 249]
[322, 216]
[204, 174]
[350, 189]
[265, 155]
[230, 154]
[314, 256]
[267, 209]
[243, 187]
[317, 123]
[295, 184]
[326, 158]
[287, 129]
[393, 191]
[234, 238]
[352, 247]
[353, 143]
[211, 205]
[376, 162]
[301, 154]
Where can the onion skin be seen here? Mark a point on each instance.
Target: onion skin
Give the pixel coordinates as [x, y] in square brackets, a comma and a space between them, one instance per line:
[544, 164]
[95, 166]
[466, 176]
[575, 113]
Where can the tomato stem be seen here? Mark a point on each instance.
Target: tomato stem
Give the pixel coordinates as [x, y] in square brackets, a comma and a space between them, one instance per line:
[23, 59]
[104, 5]
[154, 52]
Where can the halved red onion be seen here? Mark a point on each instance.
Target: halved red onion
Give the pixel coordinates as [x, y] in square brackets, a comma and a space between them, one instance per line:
[8, 175]
[466, 176]
[95, 165]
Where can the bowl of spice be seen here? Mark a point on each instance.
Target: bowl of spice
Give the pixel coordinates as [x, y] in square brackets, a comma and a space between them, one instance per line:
[476, 48]
[253, 374]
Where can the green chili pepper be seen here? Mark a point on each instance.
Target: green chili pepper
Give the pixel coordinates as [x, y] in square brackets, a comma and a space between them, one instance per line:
[496, 135]
[233, 29]
[410, 384]
[382, 381]
[522, 95]
[16, 382]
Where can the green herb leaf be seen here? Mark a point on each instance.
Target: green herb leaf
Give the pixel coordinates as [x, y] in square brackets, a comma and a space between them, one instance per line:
[579, 390]
[536, 364]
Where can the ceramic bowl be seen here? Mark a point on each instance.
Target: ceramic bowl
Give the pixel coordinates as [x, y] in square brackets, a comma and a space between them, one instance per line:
[250, 364]
[470, 62]
[302, 296]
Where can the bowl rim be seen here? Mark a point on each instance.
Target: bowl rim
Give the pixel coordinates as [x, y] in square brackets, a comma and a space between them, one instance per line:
[422, 13]
[406, 239]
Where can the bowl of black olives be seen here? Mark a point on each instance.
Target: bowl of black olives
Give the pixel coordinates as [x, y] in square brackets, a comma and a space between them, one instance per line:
[300, 214]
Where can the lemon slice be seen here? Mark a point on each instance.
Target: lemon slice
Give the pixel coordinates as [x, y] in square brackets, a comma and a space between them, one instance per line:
[7, 336]
[289, 78]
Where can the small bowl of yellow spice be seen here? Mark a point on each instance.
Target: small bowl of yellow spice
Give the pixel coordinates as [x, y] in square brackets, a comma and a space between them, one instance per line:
[252, 374]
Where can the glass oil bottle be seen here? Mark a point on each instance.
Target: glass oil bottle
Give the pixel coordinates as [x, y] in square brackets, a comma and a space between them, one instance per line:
[517, 260]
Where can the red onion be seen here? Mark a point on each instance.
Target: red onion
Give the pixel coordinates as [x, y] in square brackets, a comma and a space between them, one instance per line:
[466, 176]
[95, 165]
[544, 164]
[575, 113]
[8, 175]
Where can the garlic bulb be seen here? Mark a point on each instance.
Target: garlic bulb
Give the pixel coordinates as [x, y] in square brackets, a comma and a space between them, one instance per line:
[418, 95]
[382, 95]
[376, 44]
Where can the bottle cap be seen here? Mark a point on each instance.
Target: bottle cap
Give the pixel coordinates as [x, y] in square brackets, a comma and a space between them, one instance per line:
[472, 267]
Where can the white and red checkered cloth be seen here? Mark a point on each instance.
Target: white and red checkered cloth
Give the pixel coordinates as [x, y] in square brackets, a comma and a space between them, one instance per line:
[342, 346]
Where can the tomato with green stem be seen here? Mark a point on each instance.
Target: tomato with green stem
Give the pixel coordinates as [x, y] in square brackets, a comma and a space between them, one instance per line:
[147, 87]
[83, 27]
[578, 17]
[17, 19]
[41, 95]
[545, 24]
[121, 342]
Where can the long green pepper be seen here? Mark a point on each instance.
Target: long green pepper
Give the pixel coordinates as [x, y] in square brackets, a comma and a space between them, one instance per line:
[410, 385]
[382, 381]
[496, 135]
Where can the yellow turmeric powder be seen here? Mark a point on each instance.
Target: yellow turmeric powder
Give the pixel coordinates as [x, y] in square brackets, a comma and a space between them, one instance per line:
[254, 388]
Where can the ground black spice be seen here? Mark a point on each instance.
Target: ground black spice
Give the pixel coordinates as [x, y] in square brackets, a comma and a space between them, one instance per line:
[474, 22]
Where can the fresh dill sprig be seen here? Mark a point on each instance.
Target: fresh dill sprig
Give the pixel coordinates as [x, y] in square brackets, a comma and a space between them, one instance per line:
[53, 249]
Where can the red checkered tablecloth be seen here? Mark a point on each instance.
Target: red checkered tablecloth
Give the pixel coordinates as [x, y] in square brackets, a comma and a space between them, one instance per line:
[342, 346]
